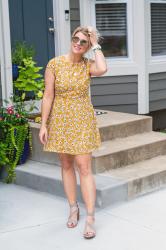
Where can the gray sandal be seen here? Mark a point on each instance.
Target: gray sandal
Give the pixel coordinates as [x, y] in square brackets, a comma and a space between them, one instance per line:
[73, 209]
[89, 234]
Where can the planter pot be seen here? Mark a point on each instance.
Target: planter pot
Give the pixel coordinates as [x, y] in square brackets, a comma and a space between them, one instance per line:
[15, 71]
[3, 172]
[25, 154]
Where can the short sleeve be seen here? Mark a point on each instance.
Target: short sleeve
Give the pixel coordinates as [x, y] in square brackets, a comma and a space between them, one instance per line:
[51, 65]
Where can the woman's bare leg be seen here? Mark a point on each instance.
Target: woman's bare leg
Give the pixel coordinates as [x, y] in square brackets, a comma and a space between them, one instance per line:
[88, 186]
[68, 176]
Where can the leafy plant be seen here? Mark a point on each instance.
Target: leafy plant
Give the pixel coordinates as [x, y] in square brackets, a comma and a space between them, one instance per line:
[30, 79]
[3, 154]
[14, 131]
[20, 51]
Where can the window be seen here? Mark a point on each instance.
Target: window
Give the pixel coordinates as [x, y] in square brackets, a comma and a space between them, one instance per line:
[111, 21]
[158, 28]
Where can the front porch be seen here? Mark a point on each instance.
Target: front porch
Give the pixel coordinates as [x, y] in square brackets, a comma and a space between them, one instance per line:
[130, 162]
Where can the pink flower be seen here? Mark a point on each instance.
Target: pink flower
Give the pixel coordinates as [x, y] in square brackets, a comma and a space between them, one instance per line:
[18, 115]
[10, 110]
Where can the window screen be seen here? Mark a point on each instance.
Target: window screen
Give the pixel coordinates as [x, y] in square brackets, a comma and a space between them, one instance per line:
[111, 21]
[158, 28]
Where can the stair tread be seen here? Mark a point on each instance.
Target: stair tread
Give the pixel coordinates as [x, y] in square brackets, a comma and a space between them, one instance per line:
[54, 172]
[112, 177]
[112, 118]
[138, 170]
[113, 186]
[134, 141]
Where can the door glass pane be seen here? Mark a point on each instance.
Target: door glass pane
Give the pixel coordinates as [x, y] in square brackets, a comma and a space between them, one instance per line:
[111, 21]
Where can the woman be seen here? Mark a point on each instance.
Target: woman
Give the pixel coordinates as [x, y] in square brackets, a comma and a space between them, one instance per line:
[69, 125]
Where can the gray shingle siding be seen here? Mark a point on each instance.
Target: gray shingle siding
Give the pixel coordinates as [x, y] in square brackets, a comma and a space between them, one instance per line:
[157, 91]
[117, 93]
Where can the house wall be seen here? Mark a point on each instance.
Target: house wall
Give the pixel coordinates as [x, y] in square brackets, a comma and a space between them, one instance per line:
[157, 91]
[117, 93]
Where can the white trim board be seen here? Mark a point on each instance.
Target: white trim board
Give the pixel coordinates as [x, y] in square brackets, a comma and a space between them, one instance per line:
[62, 32]
[5, 51]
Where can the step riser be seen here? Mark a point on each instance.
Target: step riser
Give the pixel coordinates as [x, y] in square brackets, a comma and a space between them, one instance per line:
[126, 129]
[38, 154]
[104, 198]
[127, 157]
[147, 184]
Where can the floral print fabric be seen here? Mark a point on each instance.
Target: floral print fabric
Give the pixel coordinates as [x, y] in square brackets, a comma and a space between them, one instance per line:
[72, 124]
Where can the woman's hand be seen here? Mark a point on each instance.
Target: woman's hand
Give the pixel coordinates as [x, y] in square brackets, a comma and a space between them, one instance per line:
[98, 66]
[93, 35]
[43, 134]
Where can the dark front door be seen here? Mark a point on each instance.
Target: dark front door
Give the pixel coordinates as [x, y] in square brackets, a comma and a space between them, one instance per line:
[31, 21]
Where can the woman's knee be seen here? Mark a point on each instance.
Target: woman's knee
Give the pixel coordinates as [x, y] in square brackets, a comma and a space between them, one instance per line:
[84, 169]
[83, 163]
[66, 161]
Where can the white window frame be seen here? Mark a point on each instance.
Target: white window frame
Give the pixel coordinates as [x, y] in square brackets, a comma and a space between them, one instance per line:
[117, 66]
[156, 63]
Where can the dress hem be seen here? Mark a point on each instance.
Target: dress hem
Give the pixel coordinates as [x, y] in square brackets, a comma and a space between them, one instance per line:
[69, 152]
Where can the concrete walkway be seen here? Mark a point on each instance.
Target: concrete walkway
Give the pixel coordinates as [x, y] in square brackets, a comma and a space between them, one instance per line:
[32, 220]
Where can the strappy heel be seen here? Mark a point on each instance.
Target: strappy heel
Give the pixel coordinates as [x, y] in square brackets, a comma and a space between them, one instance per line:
[73, 209]
[89, 234]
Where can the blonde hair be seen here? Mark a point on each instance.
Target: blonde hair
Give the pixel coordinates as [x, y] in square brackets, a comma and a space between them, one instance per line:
[85, 30]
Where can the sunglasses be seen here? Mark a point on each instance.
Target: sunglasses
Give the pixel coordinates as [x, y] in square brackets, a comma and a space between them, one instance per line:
[75, 39]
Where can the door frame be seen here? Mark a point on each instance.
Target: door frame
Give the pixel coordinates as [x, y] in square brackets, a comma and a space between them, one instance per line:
[62, 26]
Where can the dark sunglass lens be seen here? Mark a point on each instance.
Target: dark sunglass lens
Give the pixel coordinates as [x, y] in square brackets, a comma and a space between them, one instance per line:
[75, 39]
[83, 42]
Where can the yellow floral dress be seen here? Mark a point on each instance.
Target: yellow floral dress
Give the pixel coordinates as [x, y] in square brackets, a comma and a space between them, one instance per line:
[72, 123]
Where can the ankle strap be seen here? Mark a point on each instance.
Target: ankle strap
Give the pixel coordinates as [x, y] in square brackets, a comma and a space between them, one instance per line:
[91, 213]
[74, 204]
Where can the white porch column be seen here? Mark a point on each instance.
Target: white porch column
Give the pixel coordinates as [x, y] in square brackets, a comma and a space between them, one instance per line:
[5, 51]
[141, 52]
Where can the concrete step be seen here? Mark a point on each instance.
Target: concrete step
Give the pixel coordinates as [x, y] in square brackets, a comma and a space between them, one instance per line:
[141, 177]
[47, 178]
[113, 186]
[111, 125]
[124, 151]
[118, 125]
